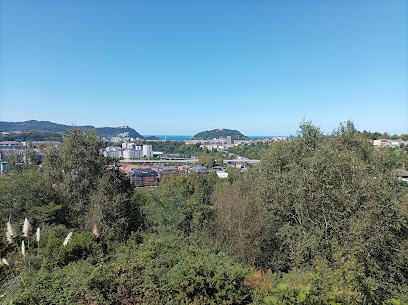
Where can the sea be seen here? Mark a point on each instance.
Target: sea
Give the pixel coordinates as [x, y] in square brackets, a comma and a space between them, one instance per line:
[183, 138]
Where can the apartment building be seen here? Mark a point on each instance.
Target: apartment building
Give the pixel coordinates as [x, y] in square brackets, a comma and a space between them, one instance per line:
[128, 151]
[143, 176]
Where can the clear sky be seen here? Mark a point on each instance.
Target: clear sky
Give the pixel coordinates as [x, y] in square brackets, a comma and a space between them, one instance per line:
[180, 67]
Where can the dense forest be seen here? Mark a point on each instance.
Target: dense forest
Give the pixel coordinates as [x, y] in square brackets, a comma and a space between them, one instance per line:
[48, 131]
[32, 136]
[219, 133]
[36, 125]
[321, 220]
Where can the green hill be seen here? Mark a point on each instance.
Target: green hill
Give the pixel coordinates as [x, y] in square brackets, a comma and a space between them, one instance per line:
[34, 125]
[219, 133]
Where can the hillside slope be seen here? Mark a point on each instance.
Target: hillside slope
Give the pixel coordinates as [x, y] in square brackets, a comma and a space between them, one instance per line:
[55, 127]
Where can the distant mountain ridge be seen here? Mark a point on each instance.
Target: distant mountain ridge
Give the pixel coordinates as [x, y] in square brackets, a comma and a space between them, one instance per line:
[34, 125]
[219, 133]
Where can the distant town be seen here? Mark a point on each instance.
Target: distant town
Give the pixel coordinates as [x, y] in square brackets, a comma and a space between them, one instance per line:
[145, 166]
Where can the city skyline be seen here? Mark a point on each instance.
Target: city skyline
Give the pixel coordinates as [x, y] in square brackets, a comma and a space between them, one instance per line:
[183, 67]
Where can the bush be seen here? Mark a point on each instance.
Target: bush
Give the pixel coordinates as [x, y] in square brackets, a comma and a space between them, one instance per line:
[202, 277]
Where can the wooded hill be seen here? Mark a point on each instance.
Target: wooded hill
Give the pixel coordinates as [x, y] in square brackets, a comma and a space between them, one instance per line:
[34, 125]
[219, 133]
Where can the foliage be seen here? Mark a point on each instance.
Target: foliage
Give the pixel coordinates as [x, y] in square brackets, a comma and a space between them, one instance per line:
[254, 151]
[48, 130]
[397, 156]
[206, 161]
[319, 284]
[321, 193]
[152, 138]
[206, 278]
[182, 203]
[21, 196]
[219, 133]
[162, 269]
[89, 189]
[238, 222]
[33, 125]
[114, 131]
[377, 135]
[32, 136]
[325, 213]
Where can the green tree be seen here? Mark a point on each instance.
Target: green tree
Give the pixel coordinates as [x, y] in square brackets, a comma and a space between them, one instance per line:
[89, 189]
[404, 137]
[207, 161]
[239, 221]
[324, 193]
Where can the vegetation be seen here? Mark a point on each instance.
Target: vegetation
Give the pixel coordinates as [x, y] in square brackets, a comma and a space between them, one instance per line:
[35, 125]
[152, 138]
[254, 151]
[115, 131]
[322, 220]
[219, 133]
[32, 136]
[48, 131]
[397, 156]
[330, 198]
[377, 135]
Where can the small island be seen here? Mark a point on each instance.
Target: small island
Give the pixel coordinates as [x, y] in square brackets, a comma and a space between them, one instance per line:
[152, 138]
[219, 133]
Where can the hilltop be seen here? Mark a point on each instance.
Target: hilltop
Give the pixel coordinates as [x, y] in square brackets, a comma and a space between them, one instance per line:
[219, 133]
[34, 125]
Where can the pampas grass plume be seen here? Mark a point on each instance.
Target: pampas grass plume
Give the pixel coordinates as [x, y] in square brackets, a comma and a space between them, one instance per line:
[67, 239]
[10, 233]
[38, 235]
[26, 227]
[10, 229]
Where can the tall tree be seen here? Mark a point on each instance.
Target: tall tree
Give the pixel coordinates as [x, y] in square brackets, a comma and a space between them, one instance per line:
[78, 178]
[325, 197]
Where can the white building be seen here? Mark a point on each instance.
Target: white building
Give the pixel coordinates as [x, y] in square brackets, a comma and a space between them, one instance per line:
[128, 151]
[132, 153]
[222, 174]
[112, 152]
[147, 151]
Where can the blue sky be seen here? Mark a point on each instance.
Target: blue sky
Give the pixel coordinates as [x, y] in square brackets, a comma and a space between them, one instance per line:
[179, 67]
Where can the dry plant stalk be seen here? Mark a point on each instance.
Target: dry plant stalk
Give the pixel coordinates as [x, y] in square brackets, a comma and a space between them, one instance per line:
[95, 230]
[38, 235]
[23, 248]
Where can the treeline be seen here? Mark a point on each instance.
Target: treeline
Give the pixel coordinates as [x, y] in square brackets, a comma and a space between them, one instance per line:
[254, 151]
[397, 155]
[32, 136]
[322, 220]
[377, 135]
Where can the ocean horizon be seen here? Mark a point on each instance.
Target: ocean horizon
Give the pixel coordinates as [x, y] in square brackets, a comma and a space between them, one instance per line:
[186, 137]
